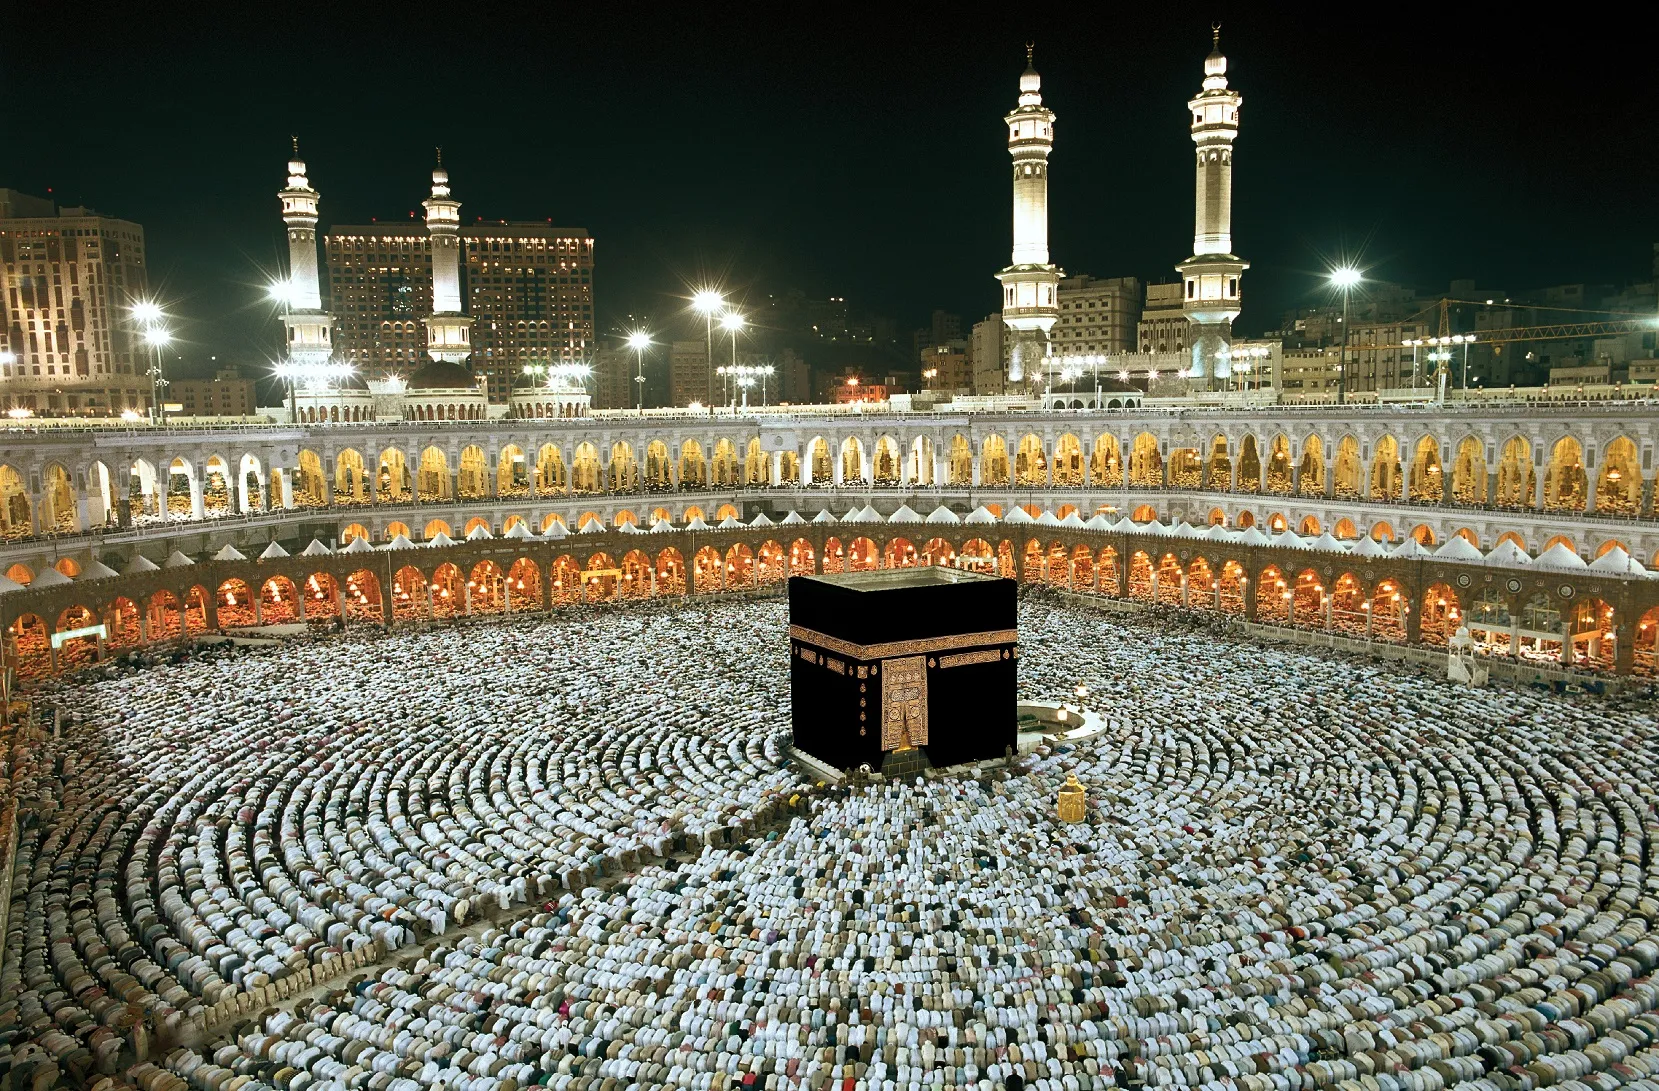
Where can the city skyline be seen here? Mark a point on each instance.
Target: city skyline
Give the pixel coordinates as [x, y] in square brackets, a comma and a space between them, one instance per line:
[674, 196]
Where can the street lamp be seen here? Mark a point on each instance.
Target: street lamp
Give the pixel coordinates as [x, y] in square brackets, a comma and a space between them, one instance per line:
[639, 341]
[731, 322]
[1344, 279]
[708, 302]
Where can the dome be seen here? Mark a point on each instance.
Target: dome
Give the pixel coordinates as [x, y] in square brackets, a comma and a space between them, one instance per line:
[442, 375]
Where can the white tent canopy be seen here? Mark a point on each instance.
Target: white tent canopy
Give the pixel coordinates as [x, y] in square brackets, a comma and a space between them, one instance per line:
[1618, 562]
[1560, 558]
[479, 533]
[401, 541]
[1369, 547]
[315, 549]
[174, 559]
[1459, 548]
[905, 514]
[1409, 550]
[1509, 555]
[272, 552]
[141, 563]
[97, 570]
[943, 515]
[1328, 543]
[439, 541]
[229, 553]
[358, 544]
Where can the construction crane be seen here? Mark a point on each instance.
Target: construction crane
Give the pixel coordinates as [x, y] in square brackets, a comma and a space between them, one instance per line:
[1629, 322]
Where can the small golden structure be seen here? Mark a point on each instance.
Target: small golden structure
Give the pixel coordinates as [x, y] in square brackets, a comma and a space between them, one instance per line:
[1071, 799]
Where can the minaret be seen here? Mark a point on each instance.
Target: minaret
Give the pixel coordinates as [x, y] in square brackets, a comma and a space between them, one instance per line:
[310, 330]
[448, 331]
[1029, 283]
[1211, 276]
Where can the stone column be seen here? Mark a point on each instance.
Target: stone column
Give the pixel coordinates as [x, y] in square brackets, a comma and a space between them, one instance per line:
[1568, 656]
[287, 490]
[198, 506]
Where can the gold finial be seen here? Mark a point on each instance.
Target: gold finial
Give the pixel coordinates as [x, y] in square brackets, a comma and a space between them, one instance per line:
[1029, 47]
[1215, 35]
[440, 155]
[295, 138]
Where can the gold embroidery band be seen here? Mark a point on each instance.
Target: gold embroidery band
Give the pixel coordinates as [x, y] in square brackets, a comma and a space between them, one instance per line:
[903, 647]
[990, 655]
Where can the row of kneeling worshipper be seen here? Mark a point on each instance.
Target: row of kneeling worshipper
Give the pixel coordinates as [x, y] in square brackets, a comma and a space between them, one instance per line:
[1295, 871]
[215, 824]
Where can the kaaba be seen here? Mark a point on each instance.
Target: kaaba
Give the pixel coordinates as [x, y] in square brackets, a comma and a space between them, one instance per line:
[903, 659]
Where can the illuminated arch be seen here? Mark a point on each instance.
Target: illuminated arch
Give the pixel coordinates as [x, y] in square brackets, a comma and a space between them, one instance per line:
[1030, 463]
[1426, 480]
[670, 570]
[432, 478]
[1386, 479]
[993, 461]
[1106, 461]
[1565, 484]
[1278, 465]
[1619, 481]
[1146, 463]
[1249, 465]
[551, 478]
[1440, 614]
[1310, 471]
[1469, 478]
[1517, 477]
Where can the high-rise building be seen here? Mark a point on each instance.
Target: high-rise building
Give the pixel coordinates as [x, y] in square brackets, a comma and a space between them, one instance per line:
[1211, 276]
[985, 356]
[68, 279]
[1097, 316]
[528, 289]
[1030, 281]
[613, 378]
[688, 373]
[1163, 325]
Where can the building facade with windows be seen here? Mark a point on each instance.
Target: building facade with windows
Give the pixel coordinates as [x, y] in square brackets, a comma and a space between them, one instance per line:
[68, 278]
[528, 288]
[1097, 316]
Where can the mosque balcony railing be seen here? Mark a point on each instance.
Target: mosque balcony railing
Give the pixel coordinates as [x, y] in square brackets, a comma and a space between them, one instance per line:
[48, 430]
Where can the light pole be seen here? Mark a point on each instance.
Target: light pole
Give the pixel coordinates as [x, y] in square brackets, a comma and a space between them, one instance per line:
[731, 322]
[281, 292]
[708, 302]
[1344, 279]
[639, 341]
[158, 338]
[744, 376]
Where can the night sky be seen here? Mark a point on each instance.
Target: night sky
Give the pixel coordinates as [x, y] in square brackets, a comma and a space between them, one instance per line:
[857, 152]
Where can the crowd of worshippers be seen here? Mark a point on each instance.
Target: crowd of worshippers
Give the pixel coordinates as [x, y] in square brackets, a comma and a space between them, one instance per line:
[1296, 871]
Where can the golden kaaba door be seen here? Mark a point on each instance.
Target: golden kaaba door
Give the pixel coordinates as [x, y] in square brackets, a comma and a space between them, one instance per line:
[904, 702]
